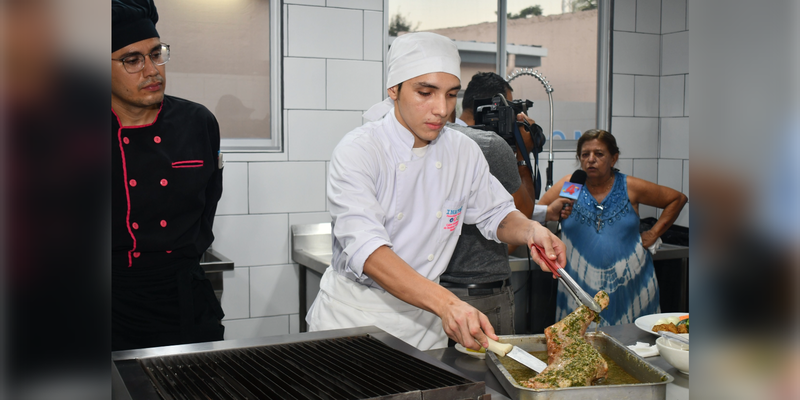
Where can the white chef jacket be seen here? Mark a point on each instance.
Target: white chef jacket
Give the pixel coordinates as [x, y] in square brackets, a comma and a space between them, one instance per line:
[380, 193]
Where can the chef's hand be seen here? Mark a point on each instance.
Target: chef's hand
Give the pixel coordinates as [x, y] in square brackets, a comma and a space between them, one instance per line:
[553, 247]
[466, 325]
[562, 207]
[648, 239]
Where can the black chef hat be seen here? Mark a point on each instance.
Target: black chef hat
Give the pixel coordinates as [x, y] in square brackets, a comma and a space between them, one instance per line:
[132, 21]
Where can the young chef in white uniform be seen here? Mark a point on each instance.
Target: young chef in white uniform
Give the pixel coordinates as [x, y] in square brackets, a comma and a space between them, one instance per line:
[399, 190]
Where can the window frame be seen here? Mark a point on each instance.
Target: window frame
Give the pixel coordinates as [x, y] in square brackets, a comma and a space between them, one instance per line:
[604, 43]
[273, 145]
[604, 49]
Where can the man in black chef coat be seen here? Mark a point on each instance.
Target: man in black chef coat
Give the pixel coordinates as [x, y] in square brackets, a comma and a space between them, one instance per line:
[166, 181]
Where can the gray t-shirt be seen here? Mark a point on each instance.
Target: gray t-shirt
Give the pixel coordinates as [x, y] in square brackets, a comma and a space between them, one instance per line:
[477, 259]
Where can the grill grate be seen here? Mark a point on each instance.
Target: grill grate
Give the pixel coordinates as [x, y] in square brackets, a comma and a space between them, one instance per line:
[359, 367]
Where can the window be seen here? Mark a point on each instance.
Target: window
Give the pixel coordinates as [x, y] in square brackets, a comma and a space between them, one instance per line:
[225, 55]
[556, 37]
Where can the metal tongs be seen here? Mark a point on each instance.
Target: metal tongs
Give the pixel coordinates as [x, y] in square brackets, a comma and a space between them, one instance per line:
[577, 292]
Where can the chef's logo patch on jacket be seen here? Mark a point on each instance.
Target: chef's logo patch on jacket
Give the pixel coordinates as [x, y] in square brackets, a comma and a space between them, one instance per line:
[452, 219]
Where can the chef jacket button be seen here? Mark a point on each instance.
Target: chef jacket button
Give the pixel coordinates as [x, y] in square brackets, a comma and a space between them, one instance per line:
[402, 167]
[430, 257]
[163, 223]
[163, 182]
[399, 216]
[157, 139]
[439, 164]
[135, 225]
[136, 254]
[133, 182]
[438, 214]
[126, 140]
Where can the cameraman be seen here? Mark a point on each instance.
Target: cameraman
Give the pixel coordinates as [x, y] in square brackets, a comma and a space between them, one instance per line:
[479, 273]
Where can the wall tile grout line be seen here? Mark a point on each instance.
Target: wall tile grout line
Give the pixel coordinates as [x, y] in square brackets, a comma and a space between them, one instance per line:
[685, 79]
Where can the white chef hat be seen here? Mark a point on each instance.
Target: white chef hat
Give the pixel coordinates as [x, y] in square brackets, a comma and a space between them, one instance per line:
[415, 54]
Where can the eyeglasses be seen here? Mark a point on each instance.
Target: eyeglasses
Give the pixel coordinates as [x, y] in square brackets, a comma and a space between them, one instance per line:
[134, 63]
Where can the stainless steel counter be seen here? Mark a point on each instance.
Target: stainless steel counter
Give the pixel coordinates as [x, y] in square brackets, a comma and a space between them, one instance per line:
[214, 264]
[628, 334]
[519, 263]
[311, 246]
[311, 250]
[671, 252]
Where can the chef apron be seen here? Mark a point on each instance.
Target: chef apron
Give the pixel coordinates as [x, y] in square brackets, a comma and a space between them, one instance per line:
[163, 305]
[342, 303]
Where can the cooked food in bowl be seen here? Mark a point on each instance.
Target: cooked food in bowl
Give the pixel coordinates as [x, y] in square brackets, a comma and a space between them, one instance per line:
[571, 360]
[672, 324]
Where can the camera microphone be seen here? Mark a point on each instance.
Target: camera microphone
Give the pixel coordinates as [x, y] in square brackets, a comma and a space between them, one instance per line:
[572, 189]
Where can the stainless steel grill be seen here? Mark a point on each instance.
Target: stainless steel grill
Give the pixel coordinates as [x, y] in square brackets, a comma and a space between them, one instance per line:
[353, 367]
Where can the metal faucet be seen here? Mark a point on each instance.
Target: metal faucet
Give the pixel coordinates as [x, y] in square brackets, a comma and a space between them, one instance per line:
[549, 90]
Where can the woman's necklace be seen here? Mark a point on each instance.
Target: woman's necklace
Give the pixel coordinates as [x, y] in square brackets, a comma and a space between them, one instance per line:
[605, 186]
[602, 188]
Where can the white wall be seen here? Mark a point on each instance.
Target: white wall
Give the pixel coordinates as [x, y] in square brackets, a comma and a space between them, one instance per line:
[650, 66]
[332, 72]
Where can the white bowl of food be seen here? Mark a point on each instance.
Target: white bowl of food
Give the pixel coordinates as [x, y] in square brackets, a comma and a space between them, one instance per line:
[674, 352]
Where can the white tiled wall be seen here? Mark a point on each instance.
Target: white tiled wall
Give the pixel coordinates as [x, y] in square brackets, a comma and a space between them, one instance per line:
[284, 187]
[359, 4]
[636, 53]
[265, 194]
[646, 169]
[670, 173]
[316, 133]
[373, 44]
[622, 101]
[625, 165]
[673, 16]
[273, 290]
[625, 15]
[645, 96]
[636, 137]
[256, 327]
[236, 293]
[234, 189]
[675, 138]
[252, 239]
[648, 16]
[304, 83]
[675, 53]
[672, 95]
[310, 32]
[353, 85]
[650, 69]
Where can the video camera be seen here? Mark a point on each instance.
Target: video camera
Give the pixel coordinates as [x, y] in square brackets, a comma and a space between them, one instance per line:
[500, 116]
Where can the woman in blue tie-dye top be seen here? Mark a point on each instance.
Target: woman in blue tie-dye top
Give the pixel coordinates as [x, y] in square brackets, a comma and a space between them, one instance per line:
[605, 250]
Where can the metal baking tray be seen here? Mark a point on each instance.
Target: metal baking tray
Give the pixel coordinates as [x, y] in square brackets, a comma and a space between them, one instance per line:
[653, 380]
